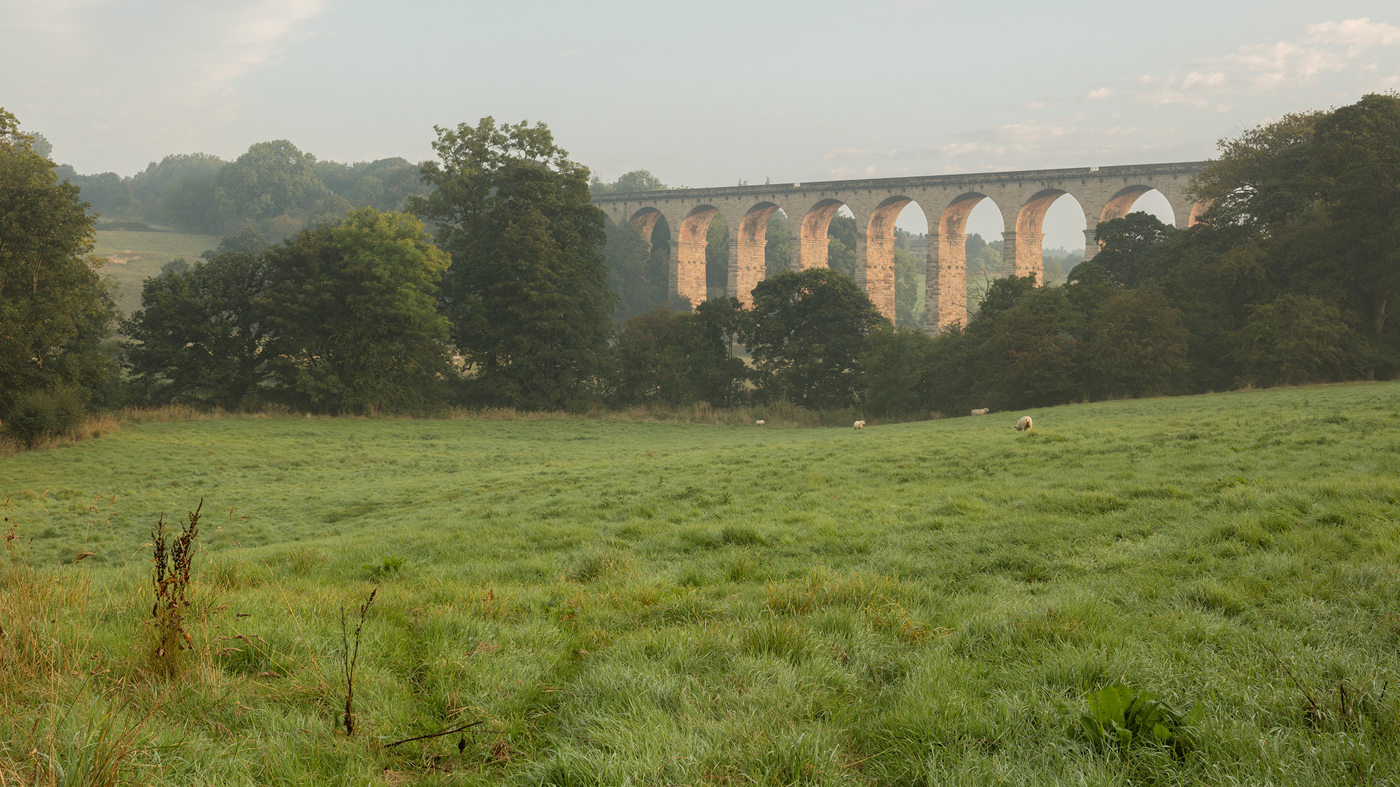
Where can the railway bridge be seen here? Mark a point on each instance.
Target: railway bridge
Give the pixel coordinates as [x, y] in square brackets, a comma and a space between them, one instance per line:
[1023, 198]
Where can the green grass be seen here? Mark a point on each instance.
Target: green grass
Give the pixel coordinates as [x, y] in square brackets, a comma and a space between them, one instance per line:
[132, 257]
[927, 603]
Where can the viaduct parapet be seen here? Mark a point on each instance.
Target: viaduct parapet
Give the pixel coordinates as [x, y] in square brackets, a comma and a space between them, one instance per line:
[1103, 193]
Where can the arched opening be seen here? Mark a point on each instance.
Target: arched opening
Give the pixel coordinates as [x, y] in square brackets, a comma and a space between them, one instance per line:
[690, 254]
[637, 254]
[644, 221]
[812, 248]
[1139, 198]
[965, 256]
[1062, 247]
[777, 245]
[886, 257]
[1135, 199]
[910, 266]
[748, 264]
[1024, 252]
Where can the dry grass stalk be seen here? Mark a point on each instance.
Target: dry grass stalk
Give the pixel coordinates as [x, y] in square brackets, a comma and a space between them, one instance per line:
[350, 659]
[170, 580]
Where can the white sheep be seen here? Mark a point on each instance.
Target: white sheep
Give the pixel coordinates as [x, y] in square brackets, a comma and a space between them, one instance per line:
[860, 425]
[759, 422]
[982, 411]
[1025, 424]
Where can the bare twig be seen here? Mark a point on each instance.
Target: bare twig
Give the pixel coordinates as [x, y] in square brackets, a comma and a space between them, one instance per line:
[449, 731]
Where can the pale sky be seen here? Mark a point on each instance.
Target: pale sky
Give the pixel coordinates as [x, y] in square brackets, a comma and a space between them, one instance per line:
[700, 94]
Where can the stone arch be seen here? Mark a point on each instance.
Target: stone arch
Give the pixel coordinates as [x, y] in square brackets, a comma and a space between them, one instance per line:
[945, 293]
[810, 249]
[1121, 204]
[688, 247]
[1185, 212]
[747, 242]
[879, 253]
[644, 221]
[1021, 249]
[1198, 209]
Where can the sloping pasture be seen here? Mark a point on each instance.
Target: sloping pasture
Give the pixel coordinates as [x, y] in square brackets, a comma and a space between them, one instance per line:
[925, 603]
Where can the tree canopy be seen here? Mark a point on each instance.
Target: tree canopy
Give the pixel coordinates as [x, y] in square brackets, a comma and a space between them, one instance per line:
[54, 309]
[527, 292]
[807, 334]
[351, 310]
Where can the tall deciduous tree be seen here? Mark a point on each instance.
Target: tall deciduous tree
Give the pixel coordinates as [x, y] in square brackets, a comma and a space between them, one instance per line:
[352, 311]
[54, 309]
[267, 181]
[527, 291]
[199, 336]
[1357, 155]
[807, 334]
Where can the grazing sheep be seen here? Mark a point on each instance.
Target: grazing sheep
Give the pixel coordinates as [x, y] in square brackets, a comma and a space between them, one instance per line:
[860, 425]
[1025, 424]
[982, 411]
[759, 422]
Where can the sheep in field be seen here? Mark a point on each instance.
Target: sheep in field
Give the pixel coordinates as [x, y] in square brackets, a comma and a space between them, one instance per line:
[1025, 424]
[759, 422]
[859, 425]
[982, 411]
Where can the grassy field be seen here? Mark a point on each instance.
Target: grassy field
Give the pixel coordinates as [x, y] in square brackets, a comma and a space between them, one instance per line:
[134, 256]
[642, 603]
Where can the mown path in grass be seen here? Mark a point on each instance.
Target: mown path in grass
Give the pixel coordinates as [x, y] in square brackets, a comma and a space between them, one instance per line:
[910, 604]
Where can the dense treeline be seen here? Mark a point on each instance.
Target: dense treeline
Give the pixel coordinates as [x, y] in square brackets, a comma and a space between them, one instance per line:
[1289, 278]
[274, 188]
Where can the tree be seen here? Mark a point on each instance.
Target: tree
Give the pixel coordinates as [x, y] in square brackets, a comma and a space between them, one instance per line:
[636, 180]
[777, 245]
[1030, 354]
[199, 336]
[1138, 347]
[1296, 339]
[527, 292]
[984, 266]
[1357, 156]
[269, 180]
[1316, 199]
[179, 190]
[807, 333]
[1129, 248]
[352, 313]
[677, 358]
[894, 369]
[54, 309]
[629, 274]
[908, 283]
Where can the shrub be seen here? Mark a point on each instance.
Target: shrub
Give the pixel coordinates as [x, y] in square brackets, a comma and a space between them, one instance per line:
[40, 415]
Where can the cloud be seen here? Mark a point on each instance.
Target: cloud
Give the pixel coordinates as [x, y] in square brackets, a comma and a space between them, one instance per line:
[1325, 49]
[183, 63]
[846, 153]
[1100, 94]
[1357, 34]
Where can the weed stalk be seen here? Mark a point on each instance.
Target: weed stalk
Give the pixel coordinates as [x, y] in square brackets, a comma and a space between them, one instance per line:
[350, 658]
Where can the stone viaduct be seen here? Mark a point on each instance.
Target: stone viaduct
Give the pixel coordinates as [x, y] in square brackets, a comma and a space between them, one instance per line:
[1103, 193]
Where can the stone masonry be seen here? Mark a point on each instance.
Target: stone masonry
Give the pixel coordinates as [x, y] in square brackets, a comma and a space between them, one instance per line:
[946, 200]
